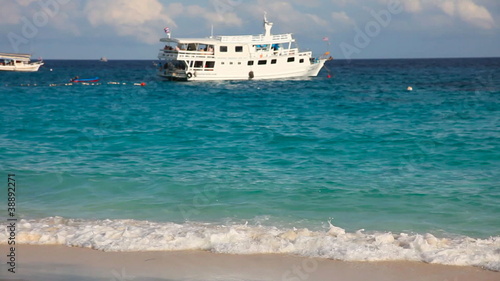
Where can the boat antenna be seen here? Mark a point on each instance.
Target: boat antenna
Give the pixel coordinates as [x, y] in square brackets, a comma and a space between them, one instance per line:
[212, 32]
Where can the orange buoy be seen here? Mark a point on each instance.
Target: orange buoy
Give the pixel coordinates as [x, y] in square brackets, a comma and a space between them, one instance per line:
[143, 84]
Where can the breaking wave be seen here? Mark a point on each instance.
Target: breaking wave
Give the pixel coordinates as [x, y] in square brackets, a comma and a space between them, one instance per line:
[333, 243]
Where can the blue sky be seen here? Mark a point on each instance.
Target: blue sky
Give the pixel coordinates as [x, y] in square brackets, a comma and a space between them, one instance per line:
[130, 29]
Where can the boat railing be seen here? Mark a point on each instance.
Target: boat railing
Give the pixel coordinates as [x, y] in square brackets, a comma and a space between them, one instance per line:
[182, 54]
[255, 38]
[305, 54]
[242, 38]
[282, 37]
[200, 69]
[287, 52]
[185, 54]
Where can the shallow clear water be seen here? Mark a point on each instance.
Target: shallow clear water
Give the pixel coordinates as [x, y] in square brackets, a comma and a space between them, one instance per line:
[357, 149]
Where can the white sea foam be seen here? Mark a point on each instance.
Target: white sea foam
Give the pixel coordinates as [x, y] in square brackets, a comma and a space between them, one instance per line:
[336, 243]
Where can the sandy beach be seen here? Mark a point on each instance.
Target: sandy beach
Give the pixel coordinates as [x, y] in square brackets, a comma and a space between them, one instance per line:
[64, 263]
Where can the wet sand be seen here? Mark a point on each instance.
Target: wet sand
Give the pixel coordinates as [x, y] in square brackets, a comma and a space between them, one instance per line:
[56, 263]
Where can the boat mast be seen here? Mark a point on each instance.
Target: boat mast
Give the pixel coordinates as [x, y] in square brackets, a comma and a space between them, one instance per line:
[267, 26]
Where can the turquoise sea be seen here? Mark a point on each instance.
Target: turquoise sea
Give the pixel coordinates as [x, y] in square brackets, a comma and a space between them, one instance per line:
[352, 167]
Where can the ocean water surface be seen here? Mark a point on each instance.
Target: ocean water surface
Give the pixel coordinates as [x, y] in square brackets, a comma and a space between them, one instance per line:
[354, 167]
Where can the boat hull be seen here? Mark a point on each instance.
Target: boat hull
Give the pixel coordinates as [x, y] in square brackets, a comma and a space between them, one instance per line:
[90, 80]
[243, 73]
[32, 67]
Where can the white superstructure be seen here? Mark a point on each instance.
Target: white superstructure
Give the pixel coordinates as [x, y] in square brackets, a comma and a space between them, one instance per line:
[18, 62]
[264, 56]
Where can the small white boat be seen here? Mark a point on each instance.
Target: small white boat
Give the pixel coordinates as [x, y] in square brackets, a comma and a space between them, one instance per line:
[104, 59]
[18, 62]
[265, 56]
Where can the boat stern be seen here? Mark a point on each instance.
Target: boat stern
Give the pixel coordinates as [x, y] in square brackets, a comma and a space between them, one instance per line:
[173, 74]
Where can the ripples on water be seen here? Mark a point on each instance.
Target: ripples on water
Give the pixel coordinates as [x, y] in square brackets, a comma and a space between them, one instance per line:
[357, 148]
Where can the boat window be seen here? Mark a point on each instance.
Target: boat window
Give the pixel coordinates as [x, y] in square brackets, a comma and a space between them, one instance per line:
[301, 61]
[239, 62]
[191, 64]
[231, 63]
[210, 64]
[261, 62]
[238, 49]
[273, 61]
[223, 49]
[198, 64]
[250, 62]
[205, 48]
[261, 47]
[192, 47]
[292, 59]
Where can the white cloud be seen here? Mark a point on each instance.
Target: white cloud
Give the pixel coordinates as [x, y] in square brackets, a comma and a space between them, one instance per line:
[55, 14]
[308, 3]
[413, 6]
[25, 3]
[287, 18]
[475, 14]
[341, 3]
[67, 18]
[140, 19]
[10, 13]
[175, 9]
[341, 18]
[466, 10]
[224, 17]
[448, 7]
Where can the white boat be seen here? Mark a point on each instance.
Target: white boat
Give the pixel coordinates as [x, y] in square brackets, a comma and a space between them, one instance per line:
[264, 56]
[18, 62]
[104, 59]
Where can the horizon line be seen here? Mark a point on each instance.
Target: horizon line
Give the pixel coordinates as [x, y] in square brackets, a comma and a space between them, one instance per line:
[342, 59]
